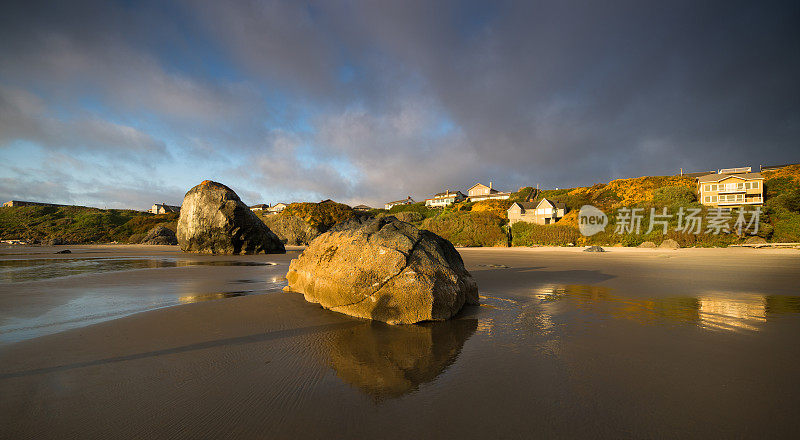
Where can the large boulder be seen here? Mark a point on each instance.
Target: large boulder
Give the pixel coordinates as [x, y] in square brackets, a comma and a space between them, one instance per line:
[385, 270]
[291, 229]
[214, 220]
[160, 235]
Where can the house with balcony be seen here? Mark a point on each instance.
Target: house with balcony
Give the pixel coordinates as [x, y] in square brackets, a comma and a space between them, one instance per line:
[406, 201]
[446, 198]
[480, 192]
[731, 188]
[543, 212]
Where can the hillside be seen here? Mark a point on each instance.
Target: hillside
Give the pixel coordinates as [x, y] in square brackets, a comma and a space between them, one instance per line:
[76, 224]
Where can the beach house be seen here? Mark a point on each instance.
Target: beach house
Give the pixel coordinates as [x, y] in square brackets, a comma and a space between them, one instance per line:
[259, 207]
[277, 208]
[406, 201]
[731, 188]
[163, 208]
[361, 208]
[445, 198]
[544, 212]
[480, 192]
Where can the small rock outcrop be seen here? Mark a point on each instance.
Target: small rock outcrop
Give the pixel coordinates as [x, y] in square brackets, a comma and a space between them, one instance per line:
[755, 240]
[160, 235]
[214, 220]
[594, 249]
[669, 244]
[386, 270]
[647, 245]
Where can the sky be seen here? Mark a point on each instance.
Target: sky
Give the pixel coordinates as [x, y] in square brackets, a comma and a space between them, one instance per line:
[125, 104]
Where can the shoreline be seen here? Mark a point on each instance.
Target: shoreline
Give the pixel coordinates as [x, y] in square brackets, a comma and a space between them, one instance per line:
[566, 331]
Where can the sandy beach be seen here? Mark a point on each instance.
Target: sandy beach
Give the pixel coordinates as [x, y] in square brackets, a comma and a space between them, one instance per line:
[147, 342]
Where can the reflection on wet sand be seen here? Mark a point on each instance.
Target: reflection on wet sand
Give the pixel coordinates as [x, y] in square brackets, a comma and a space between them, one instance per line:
[731, 311]
[21, 270]
[388, 361]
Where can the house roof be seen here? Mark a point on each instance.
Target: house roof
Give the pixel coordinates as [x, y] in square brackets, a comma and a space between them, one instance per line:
[718, 177]
[260, 205]
[401, 201]
[552, 203]
[491, 190]
[525, 205]
[534, 205]
[361, 207]
[446, 194]
[697, 174]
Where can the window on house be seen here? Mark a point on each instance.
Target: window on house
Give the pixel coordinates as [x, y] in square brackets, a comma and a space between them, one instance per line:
[713, 199]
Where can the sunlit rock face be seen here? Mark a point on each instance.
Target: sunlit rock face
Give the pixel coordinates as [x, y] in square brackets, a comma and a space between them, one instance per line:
[386, 270]
[389, 361]
[214, 220]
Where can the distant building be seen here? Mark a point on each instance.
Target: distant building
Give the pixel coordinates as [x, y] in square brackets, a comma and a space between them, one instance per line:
[480, 192]
[362, 208]
[277, 208]
[730, 188]
[776, 167]
[446, 198]
[544, 212]
[24, 203]
[259, 207]
[162, 208]
[406, 201]
[327, 202]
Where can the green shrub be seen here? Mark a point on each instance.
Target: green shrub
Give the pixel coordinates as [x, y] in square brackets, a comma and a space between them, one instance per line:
[415, 207]
[468, 228]
[529, 234]
[671, 196]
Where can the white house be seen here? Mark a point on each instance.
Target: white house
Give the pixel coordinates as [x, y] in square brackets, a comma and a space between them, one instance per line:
[445, 198]
[162, 208]
[406, 201]
[480, 192]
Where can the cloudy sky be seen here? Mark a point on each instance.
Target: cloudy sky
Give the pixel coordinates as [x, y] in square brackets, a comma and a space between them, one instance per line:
[123, 104]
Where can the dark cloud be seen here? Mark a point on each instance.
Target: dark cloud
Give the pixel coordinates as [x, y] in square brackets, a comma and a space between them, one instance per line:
[370, 100]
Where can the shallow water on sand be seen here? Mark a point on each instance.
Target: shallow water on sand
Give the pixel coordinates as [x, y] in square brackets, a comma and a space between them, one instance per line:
[50, 308]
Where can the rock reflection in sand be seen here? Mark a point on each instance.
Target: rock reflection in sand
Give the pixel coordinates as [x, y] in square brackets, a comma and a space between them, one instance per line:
[387, 361]
[730, 311]
[21, 270]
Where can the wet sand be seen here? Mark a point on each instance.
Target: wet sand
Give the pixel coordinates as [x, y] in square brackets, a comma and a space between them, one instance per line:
[632, 343]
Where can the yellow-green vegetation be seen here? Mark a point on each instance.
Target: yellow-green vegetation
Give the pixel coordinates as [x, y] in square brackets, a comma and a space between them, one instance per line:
[469, 228]
[320, 215]
[782, 203]
[780, 220]
[77, 224]
[529, 234]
